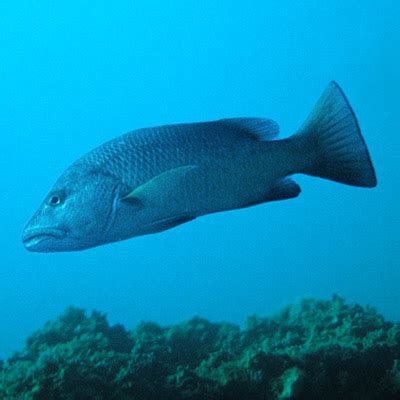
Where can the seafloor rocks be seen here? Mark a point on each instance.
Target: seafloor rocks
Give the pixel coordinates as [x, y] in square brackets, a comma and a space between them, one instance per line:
[311, 350]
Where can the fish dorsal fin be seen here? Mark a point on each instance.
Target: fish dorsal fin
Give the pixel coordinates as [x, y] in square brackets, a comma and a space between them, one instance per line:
[261, 129]
[159, 187]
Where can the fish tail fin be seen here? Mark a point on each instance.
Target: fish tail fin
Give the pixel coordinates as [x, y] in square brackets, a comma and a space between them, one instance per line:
[336, 148]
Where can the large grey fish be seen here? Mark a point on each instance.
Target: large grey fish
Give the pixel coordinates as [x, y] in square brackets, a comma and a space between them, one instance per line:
[153, 179]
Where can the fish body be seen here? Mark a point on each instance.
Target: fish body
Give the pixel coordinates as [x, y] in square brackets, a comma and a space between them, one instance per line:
[153, 179]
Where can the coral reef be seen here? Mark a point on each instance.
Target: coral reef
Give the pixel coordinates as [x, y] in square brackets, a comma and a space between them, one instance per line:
[311, 350]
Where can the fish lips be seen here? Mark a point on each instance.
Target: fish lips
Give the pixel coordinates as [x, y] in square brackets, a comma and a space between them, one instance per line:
[38, 239]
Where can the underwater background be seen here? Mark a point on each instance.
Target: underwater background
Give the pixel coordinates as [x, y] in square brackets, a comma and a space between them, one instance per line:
[79, 73]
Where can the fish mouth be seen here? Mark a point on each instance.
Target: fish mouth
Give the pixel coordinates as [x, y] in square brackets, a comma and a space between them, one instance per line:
[32, 238]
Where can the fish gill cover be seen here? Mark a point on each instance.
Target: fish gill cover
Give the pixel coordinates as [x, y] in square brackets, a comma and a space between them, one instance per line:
[310, 350]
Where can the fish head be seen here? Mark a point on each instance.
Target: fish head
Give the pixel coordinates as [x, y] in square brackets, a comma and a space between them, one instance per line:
[76, 214]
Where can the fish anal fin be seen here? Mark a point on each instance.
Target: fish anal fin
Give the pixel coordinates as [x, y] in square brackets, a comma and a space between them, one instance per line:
[282, 190]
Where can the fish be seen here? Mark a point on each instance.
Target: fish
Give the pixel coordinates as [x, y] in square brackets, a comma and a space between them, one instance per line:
[153, 179]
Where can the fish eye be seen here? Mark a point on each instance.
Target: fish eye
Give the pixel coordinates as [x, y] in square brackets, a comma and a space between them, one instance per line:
[55, 200]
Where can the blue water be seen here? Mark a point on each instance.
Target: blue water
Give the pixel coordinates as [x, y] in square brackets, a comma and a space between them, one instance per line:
[75, 74]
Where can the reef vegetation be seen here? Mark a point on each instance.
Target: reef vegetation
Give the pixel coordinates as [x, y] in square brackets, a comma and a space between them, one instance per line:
[310, 350]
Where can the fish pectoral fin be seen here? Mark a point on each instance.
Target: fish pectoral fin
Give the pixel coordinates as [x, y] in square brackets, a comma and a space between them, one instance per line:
[159, 186]
[168, 223]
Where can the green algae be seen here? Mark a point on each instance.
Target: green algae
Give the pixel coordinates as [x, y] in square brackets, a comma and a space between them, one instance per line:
[310, 350]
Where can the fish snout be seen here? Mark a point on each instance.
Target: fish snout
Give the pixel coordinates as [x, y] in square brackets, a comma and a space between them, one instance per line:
[34, 239]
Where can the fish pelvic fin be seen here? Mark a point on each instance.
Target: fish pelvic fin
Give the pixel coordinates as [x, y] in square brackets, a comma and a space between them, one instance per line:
[168, 223]
[333, 141]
